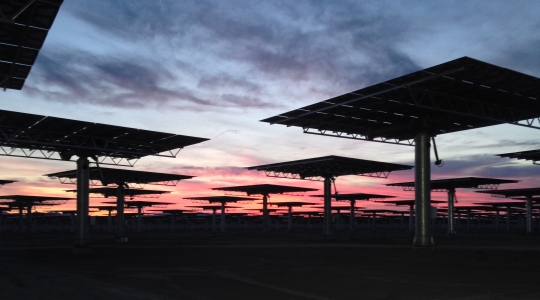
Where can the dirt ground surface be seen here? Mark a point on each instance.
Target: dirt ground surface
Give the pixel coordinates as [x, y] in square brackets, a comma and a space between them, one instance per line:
[280, 265]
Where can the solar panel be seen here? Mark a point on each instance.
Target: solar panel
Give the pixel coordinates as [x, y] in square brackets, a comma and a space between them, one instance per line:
[329, 166]
[24, 25]
[114, 176]
[533, 155]
[265, 189]
[112, 192]
[61, 139]
[513, 193]
[355, 196]
[458, 95]
[32, 200]
[464, 182]
[220, 199]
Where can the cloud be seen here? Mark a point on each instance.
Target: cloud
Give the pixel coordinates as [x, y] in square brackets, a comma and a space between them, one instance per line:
[122, 82]
[524, 58]
[242, 52]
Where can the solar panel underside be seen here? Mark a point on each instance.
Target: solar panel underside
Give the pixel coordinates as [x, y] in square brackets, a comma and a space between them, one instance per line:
[533, 155]
[24, 25]
[458, 95]
[331, 166]
[21, 130]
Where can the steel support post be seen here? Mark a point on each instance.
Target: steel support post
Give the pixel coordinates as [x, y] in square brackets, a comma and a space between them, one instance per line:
[109, 221]
[508, 218]
[214, 220]
[82, 239]
[458, 222]
[173, 221]
[120, 218]
[29, 219]
[529, 213]
[351, 216]
[451, 220]
[338, 220]
[422, 187]
[265, 213]
[139, 218]
[498, 213]
[327, 230]
[411, 218]
[21, 224]
[222, 217]
[289, 219]
[468, 219]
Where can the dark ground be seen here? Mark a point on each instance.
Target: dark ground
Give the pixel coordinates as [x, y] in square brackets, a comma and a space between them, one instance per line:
[246, 265]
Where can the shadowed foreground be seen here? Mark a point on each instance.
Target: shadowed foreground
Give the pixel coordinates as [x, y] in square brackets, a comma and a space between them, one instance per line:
[182, 266]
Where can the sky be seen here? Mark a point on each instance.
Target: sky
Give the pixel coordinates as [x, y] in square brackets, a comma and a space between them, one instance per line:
[213, 69]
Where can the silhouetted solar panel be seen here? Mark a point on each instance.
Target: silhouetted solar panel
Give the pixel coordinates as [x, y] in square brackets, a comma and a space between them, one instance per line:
[355, 196]
[142, 203]
[265, 189]
[290, 203]
[112, 192]
[49, 135]
[220, 199]
[406, 202]
[24, 25]
[457, 95]
[329, 166]
[32, 200]
[533, 155]
[464, 182]
[513, 193]
[112, 176]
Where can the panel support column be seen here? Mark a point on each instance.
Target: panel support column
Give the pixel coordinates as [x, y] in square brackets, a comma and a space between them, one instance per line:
[265, 214]
[529, 213]
[120, 218]
[82, 239]
[411, 218]
[109, 220]
[327, 229]
[139, 219]
[351, 216]
[173, 221]
[497, 217]
[214, 220]
[422, 186]
[20, 224]
[451, 223]
[29, 219]
[508, 218]
[222, 216]
[289, 219]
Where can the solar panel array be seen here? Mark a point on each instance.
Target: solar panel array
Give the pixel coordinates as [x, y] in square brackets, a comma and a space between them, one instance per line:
[533, 155]
[265, 189]
[106, 192]
[513, 193]
[329, 166]
[457, 95]
[356, 196]
[45, 136]
[464, 182]
[115, 176]
[24, 25]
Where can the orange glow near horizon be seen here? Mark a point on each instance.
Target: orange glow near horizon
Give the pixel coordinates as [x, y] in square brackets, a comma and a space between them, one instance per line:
[32, 182]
